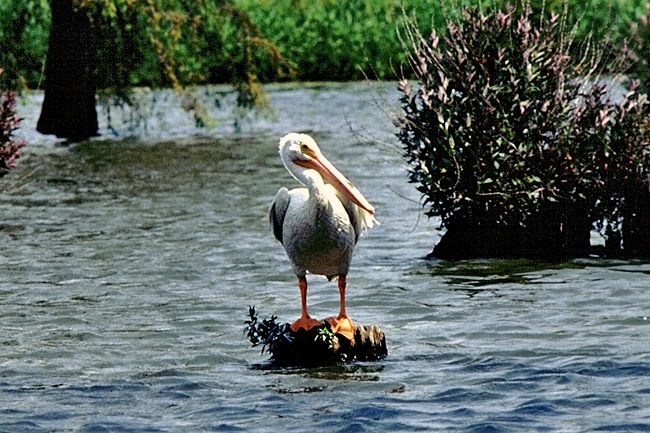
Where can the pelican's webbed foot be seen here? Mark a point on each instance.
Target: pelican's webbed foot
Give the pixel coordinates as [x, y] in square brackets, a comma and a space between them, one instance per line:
[342, 325]
[305, 323]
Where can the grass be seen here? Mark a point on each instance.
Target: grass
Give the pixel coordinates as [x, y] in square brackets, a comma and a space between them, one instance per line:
[323, 40]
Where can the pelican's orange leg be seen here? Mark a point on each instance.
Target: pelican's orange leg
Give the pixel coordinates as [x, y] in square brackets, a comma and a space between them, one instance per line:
[342, 324]
[305, 321]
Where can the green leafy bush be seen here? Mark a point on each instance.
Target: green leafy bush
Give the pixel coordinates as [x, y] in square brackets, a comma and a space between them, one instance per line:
[512, 135]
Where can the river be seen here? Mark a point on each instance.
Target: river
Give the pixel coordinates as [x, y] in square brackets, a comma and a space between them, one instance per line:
[129, 262]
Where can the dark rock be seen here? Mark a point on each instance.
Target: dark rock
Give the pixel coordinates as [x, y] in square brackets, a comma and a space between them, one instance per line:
[319, 347]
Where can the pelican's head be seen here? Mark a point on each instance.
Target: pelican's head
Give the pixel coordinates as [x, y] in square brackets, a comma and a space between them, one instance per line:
[300, 152]
[297, 148]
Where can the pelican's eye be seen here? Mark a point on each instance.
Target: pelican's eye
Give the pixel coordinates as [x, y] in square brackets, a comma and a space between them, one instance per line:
[307, 150]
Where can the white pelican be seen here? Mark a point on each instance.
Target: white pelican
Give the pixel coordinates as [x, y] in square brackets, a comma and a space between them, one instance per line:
[318, 225]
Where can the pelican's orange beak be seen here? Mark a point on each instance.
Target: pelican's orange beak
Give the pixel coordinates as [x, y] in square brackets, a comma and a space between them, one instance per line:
[334, 177]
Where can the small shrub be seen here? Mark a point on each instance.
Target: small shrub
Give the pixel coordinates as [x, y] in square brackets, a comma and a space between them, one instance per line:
[512, 136]
[9, 121]
[268, 332]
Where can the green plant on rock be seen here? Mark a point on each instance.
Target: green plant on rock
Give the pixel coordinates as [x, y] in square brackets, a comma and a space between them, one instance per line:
[268, 332]
[513, 137]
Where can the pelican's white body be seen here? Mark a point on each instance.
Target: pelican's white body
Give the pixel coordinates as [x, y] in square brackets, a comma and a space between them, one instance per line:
[317, 225]
[318, 237]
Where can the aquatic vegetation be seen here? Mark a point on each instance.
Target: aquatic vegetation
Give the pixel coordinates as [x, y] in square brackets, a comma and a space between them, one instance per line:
[515, 138]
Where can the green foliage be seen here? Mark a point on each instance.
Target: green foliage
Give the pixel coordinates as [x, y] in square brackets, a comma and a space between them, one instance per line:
[173, 43]
[24, 29]
[162, 43]
[511, 117]
[598, 18]
[268, 332]
[335, 40]
[325, 337]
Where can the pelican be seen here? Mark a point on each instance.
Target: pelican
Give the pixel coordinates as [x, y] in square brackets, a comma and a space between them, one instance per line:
[318, 225]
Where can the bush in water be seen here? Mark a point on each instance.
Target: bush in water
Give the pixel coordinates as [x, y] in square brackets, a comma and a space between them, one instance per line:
[513, 137]
[9, 148]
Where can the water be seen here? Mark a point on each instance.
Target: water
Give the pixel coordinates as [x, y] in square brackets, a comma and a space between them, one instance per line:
[128, 267]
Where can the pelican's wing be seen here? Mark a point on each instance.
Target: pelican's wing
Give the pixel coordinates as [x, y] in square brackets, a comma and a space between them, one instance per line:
[360, 218]
[278, 211]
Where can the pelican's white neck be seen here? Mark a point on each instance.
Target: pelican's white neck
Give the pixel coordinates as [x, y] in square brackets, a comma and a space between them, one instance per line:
[310, 178]
[293, 158]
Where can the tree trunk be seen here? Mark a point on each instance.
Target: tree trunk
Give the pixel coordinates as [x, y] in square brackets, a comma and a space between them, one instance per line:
[68, 109]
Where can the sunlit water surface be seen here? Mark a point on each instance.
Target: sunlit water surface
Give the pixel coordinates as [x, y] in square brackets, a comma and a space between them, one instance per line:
[128, 265]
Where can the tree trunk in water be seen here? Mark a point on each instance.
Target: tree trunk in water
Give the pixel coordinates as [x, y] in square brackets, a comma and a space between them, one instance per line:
[69, 106]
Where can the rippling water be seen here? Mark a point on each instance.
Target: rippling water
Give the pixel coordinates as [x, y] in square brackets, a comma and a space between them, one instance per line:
[128, 267]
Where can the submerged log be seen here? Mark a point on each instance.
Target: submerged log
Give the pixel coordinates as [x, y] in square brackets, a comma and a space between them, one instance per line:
[316, 347]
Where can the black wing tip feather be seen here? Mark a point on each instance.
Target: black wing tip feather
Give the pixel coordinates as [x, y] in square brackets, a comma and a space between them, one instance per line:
[277, 227]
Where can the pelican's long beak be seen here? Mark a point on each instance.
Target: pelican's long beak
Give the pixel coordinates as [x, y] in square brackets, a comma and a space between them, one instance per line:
[334, 177]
